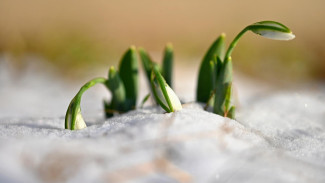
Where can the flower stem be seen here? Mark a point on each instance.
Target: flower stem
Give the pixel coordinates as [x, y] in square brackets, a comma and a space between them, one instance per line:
[234, 42]
[75, 103]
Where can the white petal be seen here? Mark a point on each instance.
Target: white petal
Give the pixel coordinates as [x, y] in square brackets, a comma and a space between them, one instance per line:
[276, 35]
[160, 95]
[174, 99]
[80, 123]
[172, 96]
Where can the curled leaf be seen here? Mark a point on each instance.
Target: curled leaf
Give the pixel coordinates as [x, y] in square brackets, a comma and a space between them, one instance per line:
[145, 99]
[163, 94]
[73, 117]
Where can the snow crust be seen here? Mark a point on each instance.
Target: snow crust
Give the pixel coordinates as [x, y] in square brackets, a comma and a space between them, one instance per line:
[277, 137]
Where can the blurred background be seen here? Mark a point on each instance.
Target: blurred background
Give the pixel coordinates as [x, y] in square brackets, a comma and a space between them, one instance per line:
[79, 39]
[48, 49]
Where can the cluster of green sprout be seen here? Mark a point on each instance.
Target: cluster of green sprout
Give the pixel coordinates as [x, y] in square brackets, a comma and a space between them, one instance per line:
[214, 87]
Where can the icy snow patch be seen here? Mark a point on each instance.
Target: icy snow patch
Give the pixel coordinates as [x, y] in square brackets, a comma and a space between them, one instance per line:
[278, 137]
[147, 145]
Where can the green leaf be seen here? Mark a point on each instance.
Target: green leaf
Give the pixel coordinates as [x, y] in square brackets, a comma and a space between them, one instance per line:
[228, 97]
[163, 94]
[167, 65]
[223, 86]
[146, 62]
[205, 79]
[73, 117]
[213, 69]
[145, 99]
[219, 99]
[231, 112]
[107, 109]
[128, 71]
[219, 65]
[226, 71]
[162, 85]
[155, 94]
[117, 88]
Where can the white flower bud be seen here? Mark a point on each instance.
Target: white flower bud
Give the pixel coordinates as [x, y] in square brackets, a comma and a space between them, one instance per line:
[272, 30]
[176, 104]
[80, 123]
[276, 35]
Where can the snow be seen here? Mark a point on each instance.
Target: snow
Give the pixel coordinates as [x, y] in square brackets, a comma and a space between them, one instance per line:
[278, 136]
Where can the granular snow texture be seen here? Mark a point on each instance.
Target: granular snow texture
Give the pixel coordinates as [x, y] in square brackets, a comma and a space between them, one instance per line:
[278, 137]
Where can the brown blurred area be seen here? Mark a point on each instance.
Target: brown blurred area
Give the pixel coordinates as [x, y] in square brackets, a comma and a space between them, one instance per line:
[78, 36]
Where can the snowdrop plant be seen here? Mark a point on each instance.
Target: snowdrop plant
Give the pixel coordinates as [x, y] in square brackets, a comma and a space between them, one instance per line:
[167, 64]
[163, 94]
[215, 75]
[123, 86]
[73, 117]
[160, 79]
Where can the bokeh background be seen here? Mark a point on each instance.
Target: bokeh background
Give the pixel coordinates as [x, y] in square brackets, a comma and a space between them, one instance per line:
[79, 39]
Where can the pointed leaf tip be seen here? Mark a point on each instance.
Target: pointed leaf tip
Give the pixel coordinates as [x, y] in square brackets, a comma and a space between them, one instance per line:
[128, 72]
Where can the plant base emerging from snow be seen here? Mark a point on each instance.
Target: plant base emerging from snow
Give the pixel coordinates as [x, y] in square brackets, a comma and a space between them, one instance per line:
[73, 117]
[215, 75]
[163, 94]
[167, 64]
[123, 86]
[214, 82]
[160, 79]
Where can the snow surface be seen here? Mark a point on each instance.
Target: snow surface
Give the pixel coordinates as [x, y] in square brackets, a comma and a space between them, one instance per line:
[279, 136]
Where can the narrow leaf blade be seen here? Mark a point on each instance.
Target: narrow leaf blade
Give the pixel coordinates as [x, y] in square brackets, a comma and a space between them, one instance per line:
[231, 112]
[205, 79]
[146, 62]
[73, 117]
[117, 88]
[155, 94]
[167, 65]
[128, 71]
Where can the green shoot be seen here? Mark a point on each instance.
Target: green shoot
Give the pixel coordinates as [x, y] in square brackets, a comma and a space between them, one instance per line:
[219, 82]
[128, 71]
[146, 62]
[118, 101]
[145, 99]
[167, 65]
[205, 82]
[73, 117]
[163, 94]
[123, 86]
[269, 29]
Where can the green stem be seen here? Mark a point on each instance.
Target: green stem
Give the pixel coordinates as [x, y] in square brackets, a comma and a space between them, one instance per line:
[90, 84]
[75, 103]
[234, 42]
